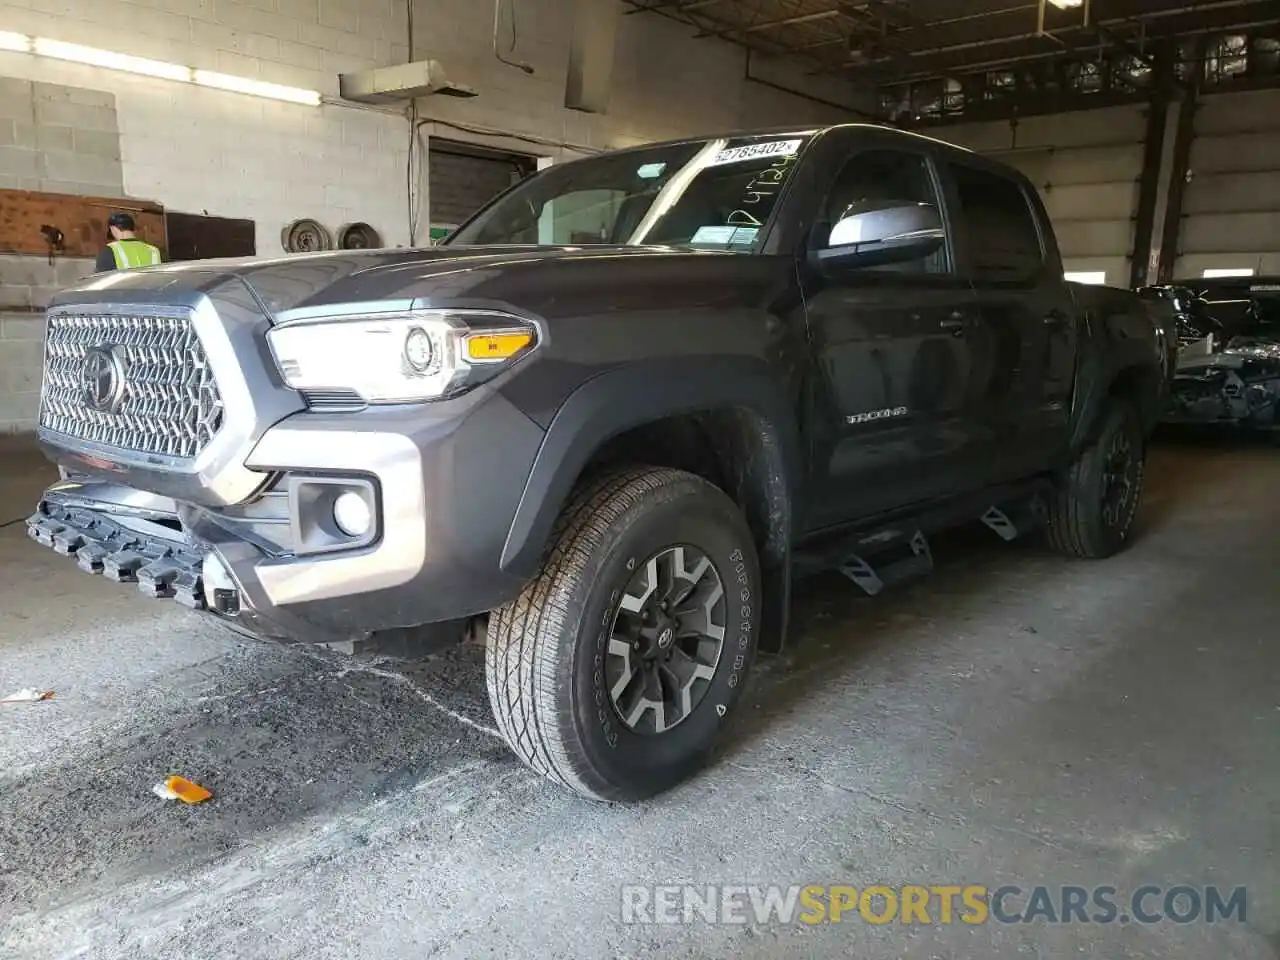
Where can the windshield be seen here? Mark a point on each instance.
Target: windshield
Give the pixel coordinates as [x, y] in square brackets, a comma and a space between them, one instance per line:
[714, 194]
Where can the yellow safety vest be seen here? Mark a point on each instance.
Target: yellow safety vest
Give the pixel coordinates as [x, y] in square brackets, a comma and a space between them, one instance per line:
[134, 253]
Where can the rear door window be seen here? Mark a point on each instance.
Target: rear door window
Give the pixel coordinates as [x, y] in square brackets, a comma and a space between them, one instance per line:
[1003, 240]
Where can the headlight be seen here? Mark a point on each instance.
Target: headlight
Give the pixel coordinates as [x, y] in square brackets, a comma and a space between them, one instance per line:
[399, 357]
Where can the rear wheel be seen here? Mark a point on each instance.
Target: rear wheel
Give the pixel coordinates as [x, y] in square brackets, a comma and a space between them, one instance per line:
[616, 668]
[1092, 512]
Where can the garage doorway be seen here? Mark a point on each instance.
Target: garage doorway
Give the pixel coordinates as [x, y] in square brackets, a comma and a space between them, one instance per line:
[463, 177]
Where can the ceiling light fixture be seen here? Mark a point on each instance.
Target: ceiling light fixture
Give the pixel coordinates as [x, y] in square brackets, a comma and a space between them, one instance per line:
[15, 41]
[256, 88]
[76, 53]
[1067, 4]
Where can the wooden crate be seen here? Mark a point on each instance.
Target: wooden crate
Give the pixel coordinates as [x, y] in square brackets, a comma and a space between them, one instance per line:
[82, 220]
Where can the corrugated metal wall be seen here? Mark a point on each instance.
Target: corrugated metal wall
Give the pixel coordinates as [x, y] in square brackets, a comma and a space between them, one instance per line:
[1086, 166]
[1231, 210]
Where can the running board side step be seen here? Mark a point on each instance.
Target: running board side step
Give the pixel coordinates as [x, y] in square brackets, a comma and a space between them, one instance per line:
[897, 548]
[1012, 520]
[873, 581]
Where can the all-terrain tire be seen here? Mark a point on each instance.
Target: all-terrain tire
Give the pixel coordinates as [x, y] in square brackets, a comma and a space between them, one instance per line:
[1079, 524]
[546, 651]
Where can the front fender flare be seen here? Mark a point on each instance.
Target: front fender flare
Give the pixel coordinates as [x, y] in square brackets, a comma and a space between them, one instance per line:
[626, 397]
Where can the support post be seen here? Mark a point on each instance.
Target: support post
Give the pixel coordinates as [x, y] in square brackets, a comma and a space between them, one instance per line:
[1179, 165]
[1150, 186]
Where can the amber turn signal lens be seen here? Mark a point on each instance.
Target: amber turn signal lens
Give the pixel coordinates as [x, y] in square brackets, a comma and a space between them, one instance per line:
[496, 346]
[180, 788]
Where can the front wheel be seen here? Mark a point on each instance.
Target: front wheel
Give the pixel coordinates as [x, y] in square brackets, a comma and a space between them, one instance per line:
[1091, 514]
[615, 669]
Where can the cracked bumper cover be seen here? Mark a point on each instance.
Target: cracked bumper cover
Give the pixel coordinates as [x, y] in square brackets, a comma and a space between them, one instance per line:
[196, 575]
[447, 494]
[100, 545]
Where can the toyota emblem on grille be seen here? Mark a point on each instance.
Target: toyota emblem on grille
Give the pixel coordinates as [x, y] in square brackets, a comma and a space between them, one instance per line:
[102, 375]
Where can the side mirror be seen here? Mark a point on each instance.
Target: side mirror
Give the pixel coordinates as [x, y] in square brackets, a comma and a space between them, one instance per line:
[876, 233]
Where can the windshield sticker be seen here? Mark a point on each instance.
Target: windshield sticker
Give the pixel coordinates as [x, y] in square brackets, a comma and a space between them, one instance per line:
[764, 187]
[651, 170]
[756, 151]
[725, 236]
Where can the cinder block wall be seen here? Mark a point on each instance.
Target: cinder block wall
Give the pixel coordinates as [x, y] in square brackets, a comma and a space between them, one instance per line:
[59, 138]
[26, 284]
[194, 149]
[64, 140]
[81, 129]
[20, 360]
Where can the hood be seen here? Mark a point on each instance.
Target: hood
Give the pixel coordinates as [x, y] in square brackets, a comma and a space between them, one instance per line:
[301, 281]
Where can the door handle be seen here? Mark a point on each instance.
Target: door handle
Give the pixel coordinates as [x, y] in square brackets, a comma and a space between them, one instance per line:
[955, 324]
[1055, 318]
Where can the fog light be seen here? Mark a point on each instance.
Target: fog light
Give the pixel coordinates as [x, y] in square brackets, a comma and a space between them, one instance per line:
[352, 515]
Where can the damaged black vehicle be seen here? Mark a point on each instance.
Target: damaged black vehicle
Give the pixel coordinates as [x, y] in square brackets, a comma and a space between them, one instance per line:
[1228, 371]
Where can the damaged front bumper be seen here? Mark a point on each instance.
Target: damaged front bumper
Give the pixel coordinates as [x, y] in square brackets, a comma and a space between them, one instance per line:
[160, 568]
[240, 515]
[275, 564]
[149, 548]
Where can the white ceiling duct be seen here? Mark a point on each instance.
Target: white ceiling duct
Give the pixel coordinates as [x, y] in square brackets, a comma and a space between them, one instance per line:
[405, 81]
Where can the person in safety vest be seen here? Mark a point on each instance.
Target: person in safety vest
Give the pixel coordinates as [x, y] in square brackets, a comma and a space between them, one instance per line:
[125, 250]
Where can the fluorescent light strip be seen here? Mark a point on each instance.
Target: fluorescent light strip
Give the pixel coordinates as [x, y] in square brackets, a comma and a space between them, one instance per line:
[15, 41]
[257, 88]
[75, 53]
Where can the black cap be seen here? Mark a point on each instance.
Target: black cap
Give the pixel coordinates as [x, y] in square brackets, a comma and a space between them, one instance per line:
[122, 221]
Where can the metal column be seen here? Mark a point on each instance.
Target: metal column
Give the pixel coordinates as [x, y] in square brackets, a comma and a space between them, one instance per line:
[1151, 186]
[1175, 175]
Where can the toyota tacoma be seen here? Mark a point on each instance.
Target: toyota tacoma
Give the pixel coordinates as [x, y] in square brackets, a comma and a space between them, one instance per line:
[609, 421]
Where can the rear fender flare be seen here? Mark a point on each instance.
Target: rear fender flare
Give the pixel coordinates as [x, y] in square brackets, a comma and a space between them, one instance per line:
[1097, 377]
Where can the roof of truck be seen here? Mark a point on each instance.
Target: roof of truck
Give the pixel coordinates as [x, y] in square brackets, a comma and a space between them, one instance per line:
[795, 131]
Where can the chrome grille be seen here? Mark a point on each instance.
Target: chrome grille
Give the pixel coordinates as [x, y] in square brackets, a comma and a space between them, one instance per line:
[164, 400]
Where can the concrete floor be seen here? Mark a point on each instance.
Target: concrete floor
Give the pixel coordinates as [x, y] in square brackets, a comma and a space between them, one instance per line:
[1015, 718]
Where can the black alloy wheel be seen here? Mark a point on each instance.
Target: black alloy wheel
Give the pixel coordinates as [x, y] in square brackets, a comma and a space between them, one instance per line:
[667, 639]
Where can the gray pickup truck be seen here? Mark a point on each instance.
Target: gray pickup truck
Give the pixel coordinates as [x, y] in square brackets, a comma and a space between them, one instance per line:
[609, 421]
